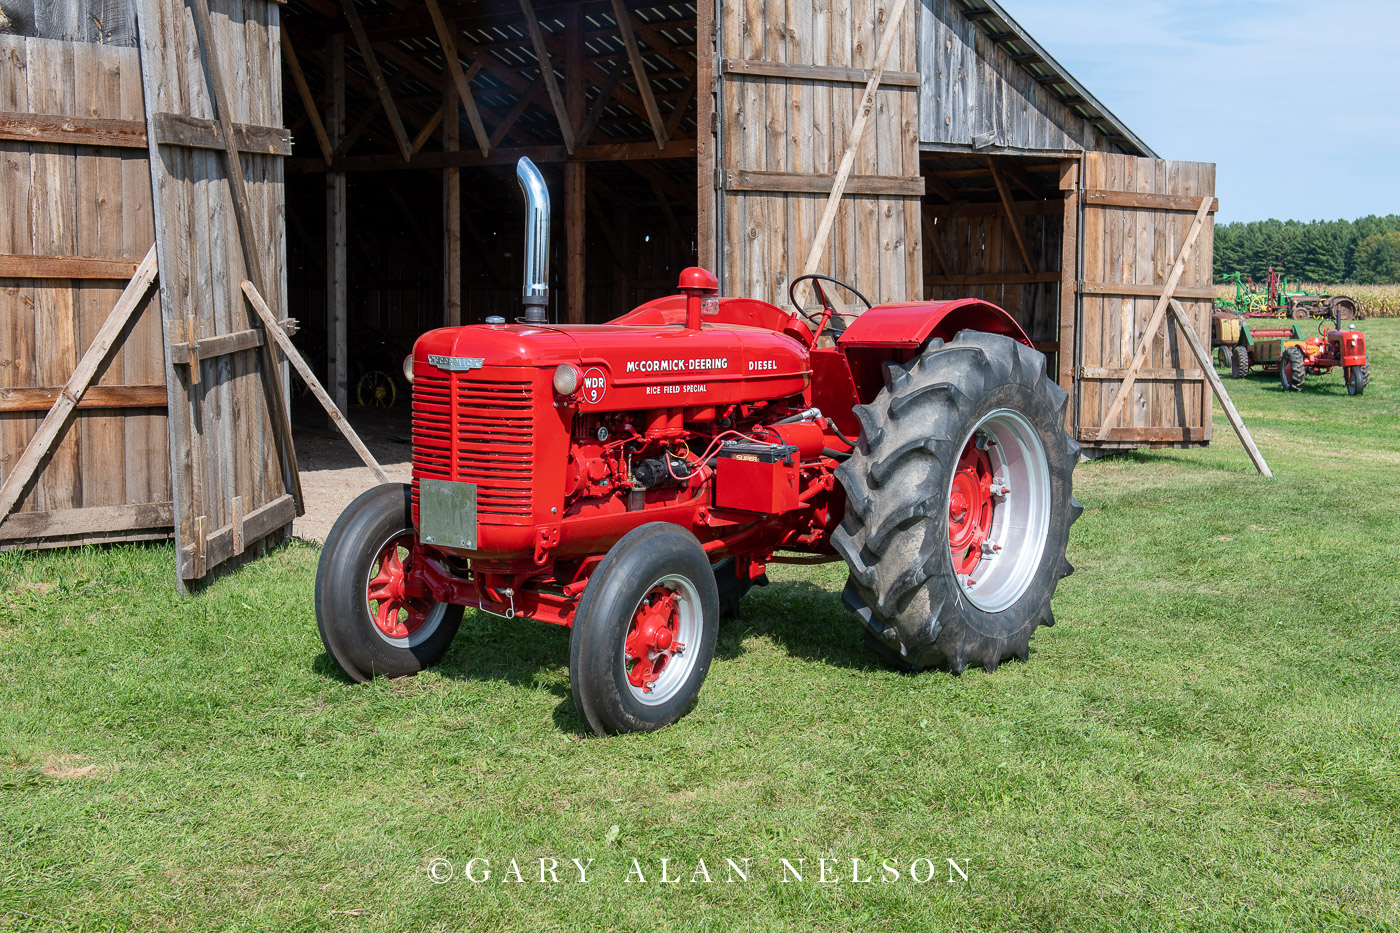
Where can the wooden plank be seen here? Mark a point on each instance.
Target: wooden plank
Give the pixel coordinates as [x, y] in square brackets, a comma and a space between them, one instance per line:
[853, 140]
[1146, 374]
[212, 548]
[1068, 305]
[639, 71]
[454, 66]
[66, 267]
[77, 384]
[1231, 413]
[551, 83]
[796, 71]
[208, 348]
[43, 398]
[173, 129]
[71, 130]
[271, 373]
[295, 358]
[337, 236]
[706, 162]
[1147, 435]
[1149, 290]
[1012, 220]
[1186, 204]
[821, 183]
[1158, 314]
[22, 526]
[376, 75]
[998, 278]
[308, 101]
[451, 208]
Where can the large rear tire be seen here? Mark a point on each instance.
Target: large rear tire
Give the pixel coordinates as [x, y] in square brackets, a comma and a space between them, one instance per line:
[369, 624]
[1239, 362]
[1292, 369]
[959, 505]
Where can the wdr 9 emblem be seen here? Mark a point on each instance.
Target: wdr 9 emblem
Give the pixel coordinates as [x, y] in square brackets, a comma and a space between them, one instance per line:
[594, 385]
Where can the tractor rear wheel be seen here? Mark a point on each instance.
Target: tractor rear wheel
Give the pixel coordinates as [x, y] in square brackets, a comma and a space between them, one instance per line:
[959, 505]
[1292, 369]
[1239, 367]
[1342, 308]
[644, 633]
[1357, 378]
[370, 621]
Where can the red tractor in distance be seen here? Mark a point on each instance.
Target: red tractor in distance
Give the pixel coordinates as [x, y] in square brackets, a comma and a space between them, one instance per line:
[632, 480]
[1318, 355]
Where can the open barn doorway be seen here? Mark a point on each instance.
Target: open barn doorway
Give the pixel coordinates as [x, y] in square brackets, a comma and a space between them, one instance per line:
[403, 211]
[994, 228]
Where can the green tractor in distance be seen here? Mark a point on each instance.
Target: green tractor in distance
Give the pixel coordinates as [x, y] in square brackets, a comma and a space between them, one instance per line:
[1280, 296]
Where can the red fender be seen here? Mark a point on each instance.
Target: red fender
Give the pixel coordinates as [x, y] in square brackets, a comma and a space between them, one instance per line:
[913, 324]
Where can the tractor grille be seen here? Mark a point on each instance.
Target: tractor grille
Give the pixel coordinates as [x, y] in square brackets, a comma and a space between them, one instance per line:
[478, 431]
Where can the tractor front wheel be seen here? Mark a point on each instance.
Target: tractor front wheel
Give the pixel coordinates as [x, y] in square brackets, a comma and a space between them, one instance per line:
[372, 619]
[1292, 369]
[959, 505]
[644, 633]
[1239, 362]
[1357, 378]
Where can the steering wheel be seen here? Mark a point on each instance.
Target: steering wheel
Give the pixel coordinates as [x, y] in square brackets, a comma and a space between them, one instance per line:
[828, 312]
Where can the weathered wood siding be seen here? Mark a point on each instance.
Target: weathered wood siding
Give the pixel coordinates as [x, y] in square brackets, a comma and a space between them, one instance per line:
[973, 94]
[799, 126]
[230, 487]
[108, 477]
[1128, 253]
[984, 262]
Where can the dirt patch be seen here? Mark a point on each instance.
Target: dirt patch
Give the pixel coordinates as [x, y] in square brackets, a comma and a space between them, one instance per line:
[68, 767]
[332, 475]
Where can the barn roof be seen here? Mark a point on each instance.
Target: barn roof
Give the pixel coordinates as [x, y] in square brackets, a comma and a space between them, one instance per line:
[993, 19]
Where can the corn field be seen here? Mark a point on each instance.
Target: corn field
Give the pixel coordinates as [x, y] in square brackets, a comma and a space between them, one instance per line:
[1371, 300]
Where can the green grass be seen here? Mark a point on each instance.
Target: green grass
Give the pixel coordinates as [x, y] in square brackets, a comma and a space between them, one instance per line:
[1206, 740]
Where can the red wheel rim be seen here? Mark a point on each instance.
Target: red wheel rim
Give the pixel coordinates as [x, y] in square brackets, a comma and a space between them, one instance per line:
[651, 638]
[395, 613]
[971, 504]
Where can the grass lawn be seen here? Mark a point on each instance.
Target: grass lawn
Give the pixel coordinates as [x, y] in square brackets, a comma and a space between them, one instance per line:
[1207, 739]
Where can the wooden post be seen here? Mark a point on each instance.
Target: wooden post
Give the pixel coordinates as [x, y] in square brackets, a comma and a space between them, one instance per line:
[575, 209]
[1204, 361]
[451, 213]
[707, 206]
[337, 286]
[97, 352]
[1069, 286]
[867, 104]
[1158, 314]
[276, 335]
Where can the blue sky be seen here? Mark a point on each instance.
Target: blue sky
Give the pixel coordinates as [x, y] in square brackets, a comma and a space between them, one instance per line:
[1298, 102]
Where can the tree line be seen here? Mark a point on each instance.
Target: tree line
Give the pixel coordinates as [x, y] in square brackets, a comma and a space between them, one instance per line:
[1365, 251]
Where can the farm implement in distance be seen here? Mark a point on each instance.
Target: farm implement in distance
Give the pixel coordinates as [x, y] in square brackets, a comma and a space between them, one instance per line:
[1242, 343]
[1279, 296]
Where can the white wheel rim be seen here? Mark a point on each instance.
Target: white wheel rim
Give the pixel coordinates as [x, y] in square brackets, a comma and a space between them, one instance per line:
[1020, 519]
[689, 629]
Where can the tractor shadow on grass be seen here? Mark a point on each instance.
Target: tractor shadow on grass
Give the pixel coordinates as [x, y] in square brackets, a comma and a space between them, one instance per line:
[806, 620]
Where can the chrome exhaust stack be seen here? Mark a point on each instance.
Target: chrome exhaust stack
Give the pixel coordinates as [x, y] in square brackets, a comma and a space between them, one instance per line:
[535, 294]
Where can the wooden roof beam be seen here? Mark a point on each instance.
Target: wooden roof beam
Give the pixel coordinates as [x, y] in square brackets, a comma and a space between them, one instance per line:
[377, 76]
[289, 55]
[639, 70]
[463, 83]
[551, 83]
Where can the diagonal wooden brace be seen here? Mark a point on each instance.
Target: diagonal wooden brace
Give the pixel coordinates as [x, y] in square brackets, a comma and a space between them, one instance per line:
[1159, 313]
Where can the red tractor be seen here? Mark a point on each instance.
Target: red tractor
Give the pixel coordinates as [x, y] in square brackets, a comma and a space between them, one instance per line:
[1318, 355]
[632, 480]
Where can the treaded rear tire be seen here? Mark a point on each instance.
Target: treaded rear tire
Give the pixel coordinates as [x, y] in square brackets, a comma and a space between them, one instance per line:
[895, 535]
[1239, 361]
[1292, 370]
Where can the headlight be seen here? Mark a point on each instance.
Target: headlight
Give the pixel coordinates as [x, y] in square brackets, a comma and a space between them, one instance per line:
[566, 379]
[408, 367]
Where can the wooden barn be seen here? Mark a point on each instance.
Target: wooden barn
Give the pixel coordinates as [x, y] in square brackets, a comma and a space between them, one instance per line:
[181, 177]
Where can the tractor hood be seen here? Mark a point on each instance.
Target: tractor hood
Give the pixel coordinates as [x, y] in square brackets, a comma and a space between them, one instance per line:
[628, 367]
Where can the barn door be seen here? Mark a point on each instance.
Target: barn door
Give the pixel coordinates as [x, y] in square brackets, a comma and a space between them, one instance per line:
[791, 75]
[212, 82]
[1136, 215]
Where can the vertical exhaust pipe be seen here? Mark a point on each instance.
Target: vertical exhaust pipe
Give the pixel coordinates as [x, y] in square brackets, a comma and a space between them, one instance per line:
[535, 294]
